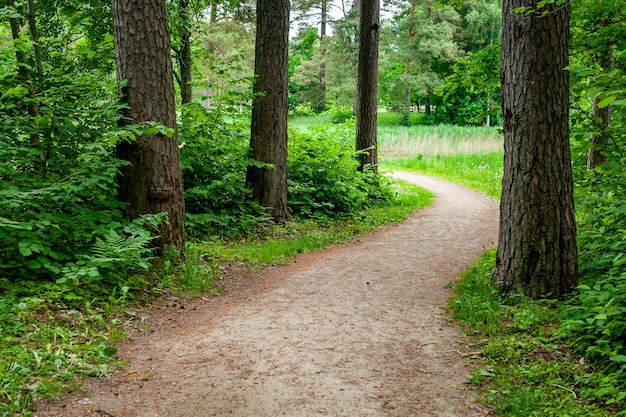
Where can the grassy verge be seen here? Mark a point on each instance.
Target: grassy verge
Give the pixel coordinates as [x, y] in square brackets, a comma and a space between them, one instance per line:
[52, 335]
[280, 243]
[479, 172]
[526, 369]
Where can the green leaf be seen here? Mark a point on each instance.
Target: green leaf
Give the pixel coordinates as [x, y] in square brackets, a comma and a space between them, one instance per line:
[25, 251]
[606, 101]
[33, 264]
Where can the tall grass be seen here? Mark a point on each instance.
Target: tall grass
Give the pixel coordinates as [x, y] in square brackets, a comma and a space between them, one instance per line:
[441, 140]
[471, 156]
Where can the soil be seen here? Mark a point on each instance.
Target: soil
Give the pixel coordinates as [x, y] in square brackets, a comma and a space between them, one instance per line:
[354, 330]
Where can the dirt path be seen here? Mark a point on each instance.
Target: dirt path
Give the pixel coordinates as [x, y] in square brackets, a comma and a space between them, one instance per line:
[356, 330]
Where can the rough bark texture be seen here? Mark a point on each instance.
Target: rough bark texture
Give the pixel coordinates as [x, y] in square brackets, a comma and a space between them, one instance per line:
[367, 85]
[268, 138]
[537, 239]
[152, 183]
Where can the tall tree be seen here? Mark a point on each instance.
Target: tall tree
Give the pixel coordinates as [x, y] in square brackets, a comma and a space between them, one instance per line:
[308, 9]
[152, 182]
[367, 85]
[268, 138]
[537, 242]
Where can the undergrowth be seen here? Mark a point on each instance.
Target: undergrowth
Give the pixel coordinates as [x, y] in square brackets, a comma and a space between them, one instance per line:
[526, 366]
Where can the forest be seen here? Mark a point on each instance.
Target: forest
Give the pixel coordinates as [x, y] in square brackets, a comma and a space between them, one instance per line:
[142, 141]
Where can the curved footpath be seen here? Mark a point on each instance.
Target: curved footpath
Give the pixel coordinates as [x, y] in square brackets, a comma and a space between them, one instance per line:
[355, 330]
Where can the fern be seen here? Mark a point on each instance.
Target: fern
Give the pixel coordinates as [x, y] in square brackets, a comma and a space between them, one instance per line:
[117, 251]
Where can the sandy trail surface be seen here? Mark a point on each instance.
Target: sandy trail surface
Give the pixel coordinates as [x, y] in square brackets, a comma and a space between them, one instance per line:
[354, 330]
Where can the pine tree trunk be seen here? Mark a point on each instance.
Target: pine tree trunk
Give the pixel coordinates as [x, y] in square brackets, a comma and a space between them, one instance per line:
[367, 85]
[537, 242]
[152, 182]
[268, 138]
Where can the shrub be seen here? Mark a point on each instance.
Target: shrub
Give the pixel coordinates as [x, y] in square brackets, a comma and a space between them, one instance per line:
[594, 319]
[323, 178]
[214, 159]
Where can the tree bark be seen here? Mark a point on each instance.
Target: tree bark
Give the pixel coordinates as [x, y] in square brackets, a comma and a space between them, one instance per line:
[268, 138]
[537, 241]
[152, 182]
[367, 85]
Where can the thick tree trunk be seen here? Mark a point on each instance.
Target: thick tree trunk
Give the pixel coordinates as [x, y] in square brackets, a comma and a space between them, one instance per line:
[152, 183]
[598, 141]
[268, 138]
[367, 85]
[537, 241]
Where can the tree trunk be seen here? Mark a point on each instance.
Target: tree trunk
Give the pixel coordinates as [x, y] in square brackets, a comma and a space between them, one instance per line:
[34, 36]
[268, 138]
[324, 19]
[152, 182]
[367, 86]
[213, 18]
[184, 55]
[598, 141]
[537, 242]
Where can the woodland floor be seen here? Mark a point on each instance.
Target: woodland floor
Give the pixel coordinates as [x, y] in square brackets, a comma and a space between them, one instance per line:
[354, 330]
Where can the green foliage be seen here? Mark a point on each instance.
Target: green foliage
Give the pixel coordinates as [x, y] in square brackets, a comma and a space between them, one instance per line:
[472, 91]
[480, 172]
[594, 318]
[58, 176]
[276, 243]
[215, 156]
[340, 114]
[526, 370]
[323, 180]
[214, 159]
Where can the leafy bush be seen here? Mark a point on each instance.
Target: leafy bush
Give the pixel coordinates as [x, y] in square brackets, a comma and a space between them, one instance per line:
[58, 180]
[339, 114]
[214, 159]
[595, 317]
[323, 180]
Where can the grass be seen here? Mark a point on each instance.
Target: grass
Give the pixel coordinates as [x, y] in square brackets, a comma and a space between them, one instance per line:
[443, 140]
[471, 156]
[525, 369]
[280, 243]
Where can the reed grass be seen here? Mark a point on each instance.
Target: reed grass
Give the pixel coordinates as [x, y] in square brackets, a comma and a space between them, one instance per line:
[442, 140]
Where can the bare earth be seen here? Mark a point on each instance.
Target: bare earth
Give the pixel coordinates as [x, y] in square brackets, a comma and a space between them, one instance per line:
[355, 330]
